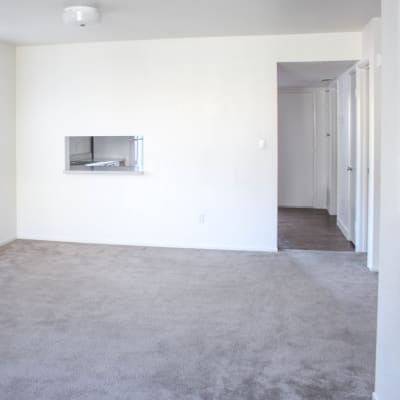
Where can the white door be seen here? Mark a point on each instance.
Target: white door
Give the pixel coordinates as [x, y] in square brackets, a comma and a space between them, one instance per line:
[332, 151]
[352, 156]
[296, 149]
[347, 128]
[362, 168]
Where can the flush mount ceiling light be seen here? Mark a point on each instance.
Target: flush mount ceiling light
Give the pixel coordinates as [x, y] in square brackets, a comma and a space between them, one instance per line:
[81, 15]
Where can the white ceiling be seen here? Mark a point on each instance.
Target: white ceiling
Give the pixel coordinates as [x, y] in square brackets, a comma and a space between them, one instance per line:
[39, 21]
[310, 74]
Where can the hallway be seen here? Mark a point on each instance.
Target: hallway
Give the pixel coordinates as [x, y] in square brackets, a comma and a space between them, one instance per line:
[310, 229]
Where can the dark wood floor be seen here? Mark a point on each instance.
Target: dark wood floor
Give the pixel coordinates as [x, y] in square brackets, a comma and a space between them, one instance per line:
[310, 229]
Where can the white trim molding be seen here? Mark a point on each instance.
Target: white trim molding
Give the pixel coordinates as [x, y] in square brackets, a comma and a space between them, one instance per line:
[166, 245]
[8, 241]
[343, 228]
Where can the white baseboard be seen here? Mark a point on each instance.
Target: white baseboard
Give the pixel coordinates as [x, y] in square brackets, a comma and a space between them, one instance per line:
[344, 230]
[8, 241]
[373, 268]
[374, 396]
[370, 264]
[289, 206]
[146, 244]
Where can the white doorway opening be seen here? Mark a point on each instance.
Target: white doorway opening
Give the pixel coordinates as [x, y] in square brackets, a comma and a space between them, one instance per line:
[323, 142]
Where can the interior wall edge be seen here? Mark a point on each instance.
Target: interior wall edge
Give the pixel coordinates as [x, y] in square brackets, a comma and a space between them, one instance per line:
[8, 150]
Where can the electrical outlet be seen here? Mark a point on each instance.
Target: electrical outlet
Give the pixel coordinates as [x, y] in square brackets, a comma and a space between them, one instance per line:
[202, 219]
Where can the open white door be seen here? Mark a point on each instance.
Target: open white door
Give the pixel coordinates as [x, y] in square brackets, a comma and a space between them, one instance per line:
[332, 149]
[347, 129]
[362, 167]
[352, 158]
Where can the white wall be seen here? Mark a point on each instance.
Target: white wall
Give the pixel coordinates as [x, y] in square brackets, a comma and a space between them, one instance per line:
[202, 106]
[7, 144]
[388, 346]
[303, 147]
[296, 126]
[372, 52]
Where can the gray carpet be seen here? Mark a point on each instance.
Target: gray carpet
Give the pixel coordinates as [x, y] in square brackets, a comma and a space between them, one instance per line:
[93, 322]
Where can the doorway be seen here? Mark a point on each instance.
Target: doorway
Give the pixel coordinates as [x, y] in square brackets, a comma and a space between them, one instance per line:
[318, 138]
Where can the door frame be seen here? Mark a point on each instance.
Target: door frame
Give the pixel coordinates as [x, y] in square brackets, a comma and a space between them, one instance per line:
[362, 220]
[364, 207]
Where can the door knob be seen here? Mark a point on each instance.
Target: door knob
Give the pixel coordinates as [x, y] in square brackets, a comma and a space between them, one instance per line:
[349, 169]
